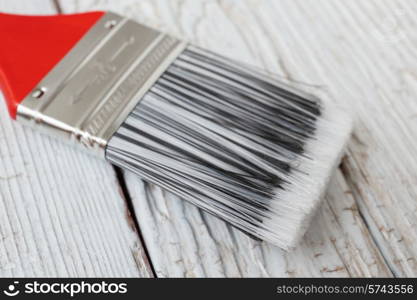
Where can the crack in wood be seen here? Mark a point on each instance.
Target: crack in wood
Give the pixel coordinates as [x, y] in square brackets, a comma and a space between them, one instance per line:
[349, 181]
[57, 6]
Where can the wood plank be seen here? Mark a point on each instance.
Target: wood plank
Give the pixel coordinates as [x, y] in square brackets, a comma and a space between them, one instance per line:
[285, 37]
[183, 241]
[61, 211]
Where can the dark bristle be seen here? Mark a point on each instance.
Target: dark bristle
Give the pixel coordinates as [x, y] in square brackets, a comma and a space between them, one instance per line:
[225, 137]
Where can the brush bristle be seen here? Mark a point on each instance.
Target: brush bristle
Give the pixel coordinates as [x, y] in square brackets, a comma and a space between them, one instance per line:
[238, 144]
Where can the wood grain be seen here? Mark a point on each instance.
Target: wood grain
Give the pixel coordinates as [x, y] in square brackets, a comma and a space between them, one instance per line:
[61, 211]
[183, 241]
[362, 55]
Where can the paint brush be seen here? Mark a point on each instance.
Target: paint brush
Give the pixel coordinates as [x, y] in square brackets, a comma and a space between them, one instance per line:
[240, 144]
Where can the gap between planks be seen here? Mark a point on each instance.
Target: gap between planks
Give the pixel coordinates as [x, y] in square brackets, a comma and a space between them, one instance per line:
[131, 215]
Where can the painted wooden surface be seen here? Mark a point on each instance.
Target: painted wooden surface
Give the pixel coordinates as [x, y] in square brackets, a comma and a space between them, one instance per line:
[61, 212]
[359, 53]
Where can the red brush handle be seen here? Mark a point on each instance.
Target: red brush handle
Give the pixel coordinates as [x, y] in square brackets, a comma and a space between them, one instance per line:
[32, 45]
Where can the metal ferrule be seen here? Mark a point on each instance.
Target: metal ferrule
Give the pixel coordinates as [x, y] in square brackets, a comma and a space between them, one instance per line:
[90, 92]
